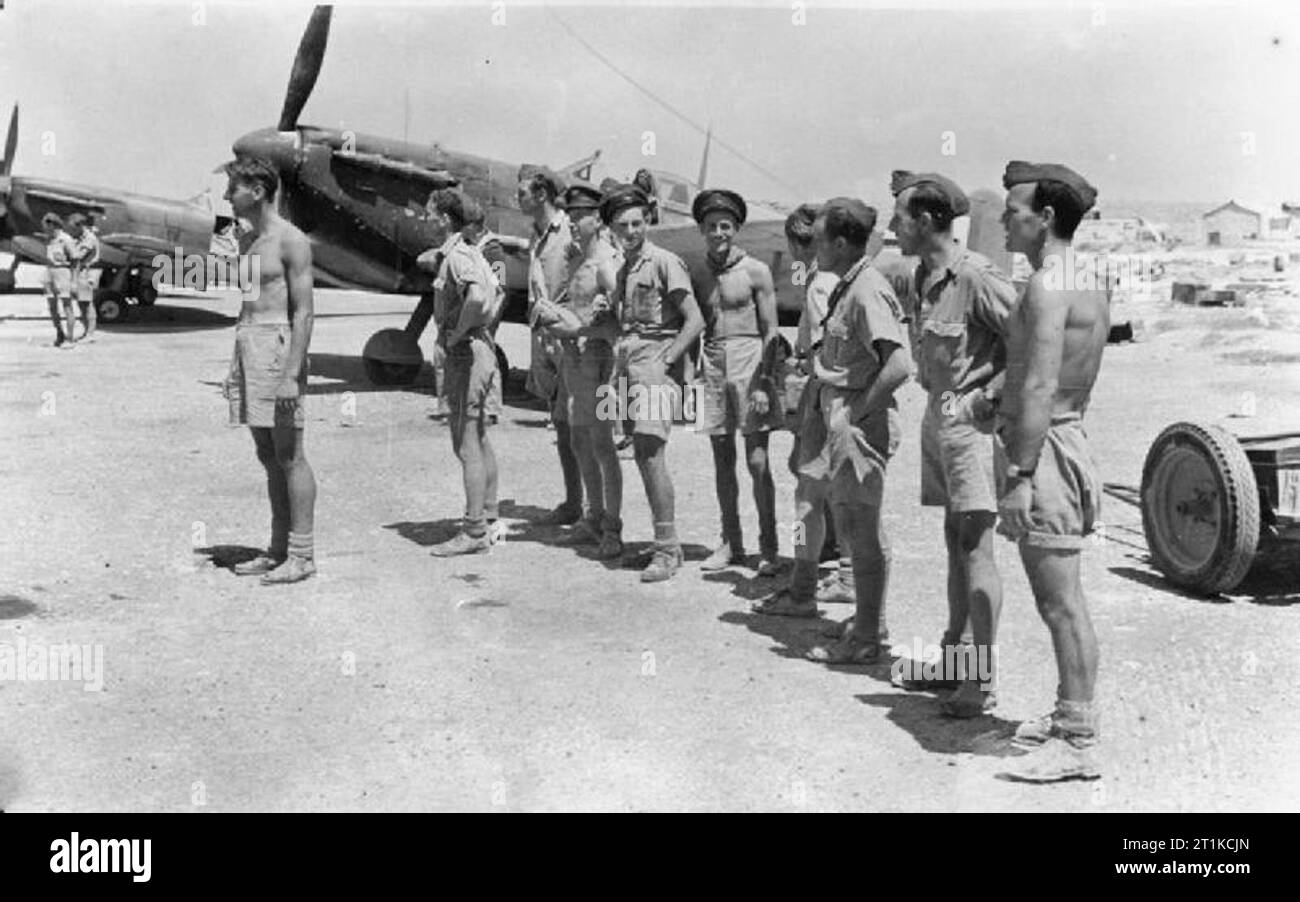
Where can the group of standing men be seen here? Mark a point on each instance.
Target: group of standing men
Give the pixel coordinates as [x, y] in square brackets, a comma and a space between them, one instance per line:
[69, 278]
[1008, 380]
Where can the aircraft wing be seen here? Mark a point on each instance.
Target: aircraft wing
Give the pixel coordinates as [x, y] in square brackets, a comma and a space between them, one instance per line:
[137, 244]
[74, 200]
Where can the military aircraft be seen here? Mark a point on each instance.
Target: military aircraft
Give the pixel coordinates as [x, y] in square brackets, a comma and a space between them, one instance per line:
[359, 199]
[132, 228]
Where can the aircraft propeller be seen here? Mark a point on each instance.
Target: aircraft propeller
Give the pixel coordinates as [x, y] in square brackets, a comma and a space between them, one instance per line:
[7, 162]
[306, 66]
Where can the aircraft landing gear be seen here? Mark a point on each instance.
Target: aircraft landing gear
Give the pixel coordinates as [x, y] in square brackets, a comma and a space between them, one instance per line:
[111, 306]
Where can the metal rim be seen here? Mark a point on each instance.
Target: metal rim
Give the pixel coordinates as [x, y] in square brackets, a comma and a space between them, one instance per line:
[1188, 521]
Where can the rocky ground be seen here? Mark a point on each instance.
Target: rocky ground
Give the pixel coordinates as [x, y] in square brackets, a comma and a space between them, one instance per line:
[535, 678]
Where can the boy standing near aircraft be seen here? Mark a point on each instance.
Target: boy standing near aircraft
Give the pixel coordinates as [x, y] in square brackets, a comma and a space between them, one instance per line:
[551, 258]
[59, 250]
[1052, 495]
[738, 302]
[958, 303]
[466, 304]
[587, 339]
[659, 321]
[268, 372]
[85, 257]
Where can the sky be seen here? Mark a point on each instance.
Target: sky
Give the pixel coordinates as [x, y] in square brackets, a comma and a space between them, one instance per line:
[1164, 102]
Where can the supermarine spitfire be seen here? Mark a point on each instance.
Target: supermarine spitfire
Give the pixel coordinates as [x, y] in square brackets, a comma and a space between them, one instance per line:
[133, 229]
[359, 198]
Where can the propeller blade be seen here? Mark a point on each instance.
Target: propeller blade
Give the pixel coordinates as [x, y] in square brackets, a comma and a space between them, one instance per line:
[306, 66]
[11, 145]
[704, 161]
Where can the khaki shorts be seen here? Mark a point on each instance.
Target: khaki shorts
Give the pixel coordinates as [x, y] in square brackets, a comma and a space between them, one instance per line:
[58, 282]
[544, 378]
[654, 397]
[256, 371]
[729, 375]
[1067, 487]
[473, 383]
[957, 466]
[584, 368]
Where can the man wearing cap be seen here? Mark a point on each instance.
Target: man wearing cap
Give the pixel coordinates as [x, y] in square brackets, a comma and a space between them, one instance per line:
[958, 303]
[1052, 492]
[587, 338]
[849, 428]
[551, 258]
[738, 301]
[466, 303]
[659, 321]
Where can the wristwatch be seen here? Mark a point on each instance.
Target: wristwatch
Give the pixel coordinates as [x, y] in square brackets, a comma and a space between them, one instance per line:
[1015, 472]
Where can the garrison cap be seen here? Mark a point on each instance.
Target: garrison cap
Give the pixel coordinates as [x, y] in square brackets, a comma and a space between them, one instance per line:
[714, 199]
[582, 196]
[1019, 173]
[619, 198]
[901, 180]
[529, 171]
[854, 209]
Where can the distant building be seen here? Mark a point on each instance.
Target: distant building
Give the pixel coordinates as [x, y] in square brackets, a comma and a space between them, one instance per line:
[1234, 223]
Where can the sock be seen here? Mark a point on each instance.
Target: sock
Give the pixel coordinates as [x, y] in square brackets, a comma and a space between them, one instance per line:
[476, 528]
[610, 523]
[302, 545]
[1078, 721]
[666, 536]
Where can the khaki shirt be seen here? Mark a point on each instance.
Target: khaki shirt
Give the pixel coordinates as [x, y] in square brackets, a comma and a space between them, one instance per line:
[462, 265]
[643, 287]
[959, 323]
[550, 262]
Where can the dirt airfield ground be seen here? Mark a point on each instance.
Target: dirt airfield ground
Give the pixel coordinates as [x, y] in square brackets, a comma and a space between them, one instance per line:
[534, 678]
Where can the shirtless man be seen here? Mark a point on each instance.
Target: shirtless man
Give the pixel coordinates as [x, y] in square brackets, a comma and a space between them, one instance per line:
[268, 373]
[737, 298]
[587, 360]
[1052, 495]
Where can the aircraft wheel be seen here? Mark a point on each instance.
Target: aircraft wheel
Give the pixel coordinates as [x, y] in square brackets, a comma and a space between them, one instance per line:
[145, 293]
[111, 307]
[1200, 507]
[392, 357]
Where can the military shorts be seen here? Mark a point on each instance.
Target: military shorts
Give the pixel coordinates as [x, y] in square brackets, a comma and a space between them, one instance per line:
[544, 378]
[729, 374]
[649, 398]
[957, 467]
[473, 383]
[1067, 487]
[586, 366]
[58, 282]
[256, 371]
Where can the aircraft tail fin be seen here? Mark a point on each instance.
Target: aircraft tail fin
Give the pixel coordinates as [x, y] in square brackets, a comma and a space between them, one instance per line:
[704, 160]
[580, 169]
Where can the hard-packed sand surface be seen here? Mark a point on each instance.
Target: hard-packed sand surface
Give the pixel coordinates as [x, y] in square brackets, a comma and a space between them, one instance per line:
[534, 678]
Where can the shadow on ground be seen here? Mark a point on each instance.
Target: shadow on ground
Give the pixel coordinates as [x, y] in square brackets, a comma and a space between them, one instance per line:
[918, 714]
[227, 556]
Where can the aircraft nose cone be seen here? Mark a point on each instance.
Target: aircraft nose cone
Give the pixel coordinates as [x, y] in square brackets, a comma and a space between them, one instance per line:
[277, 148]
